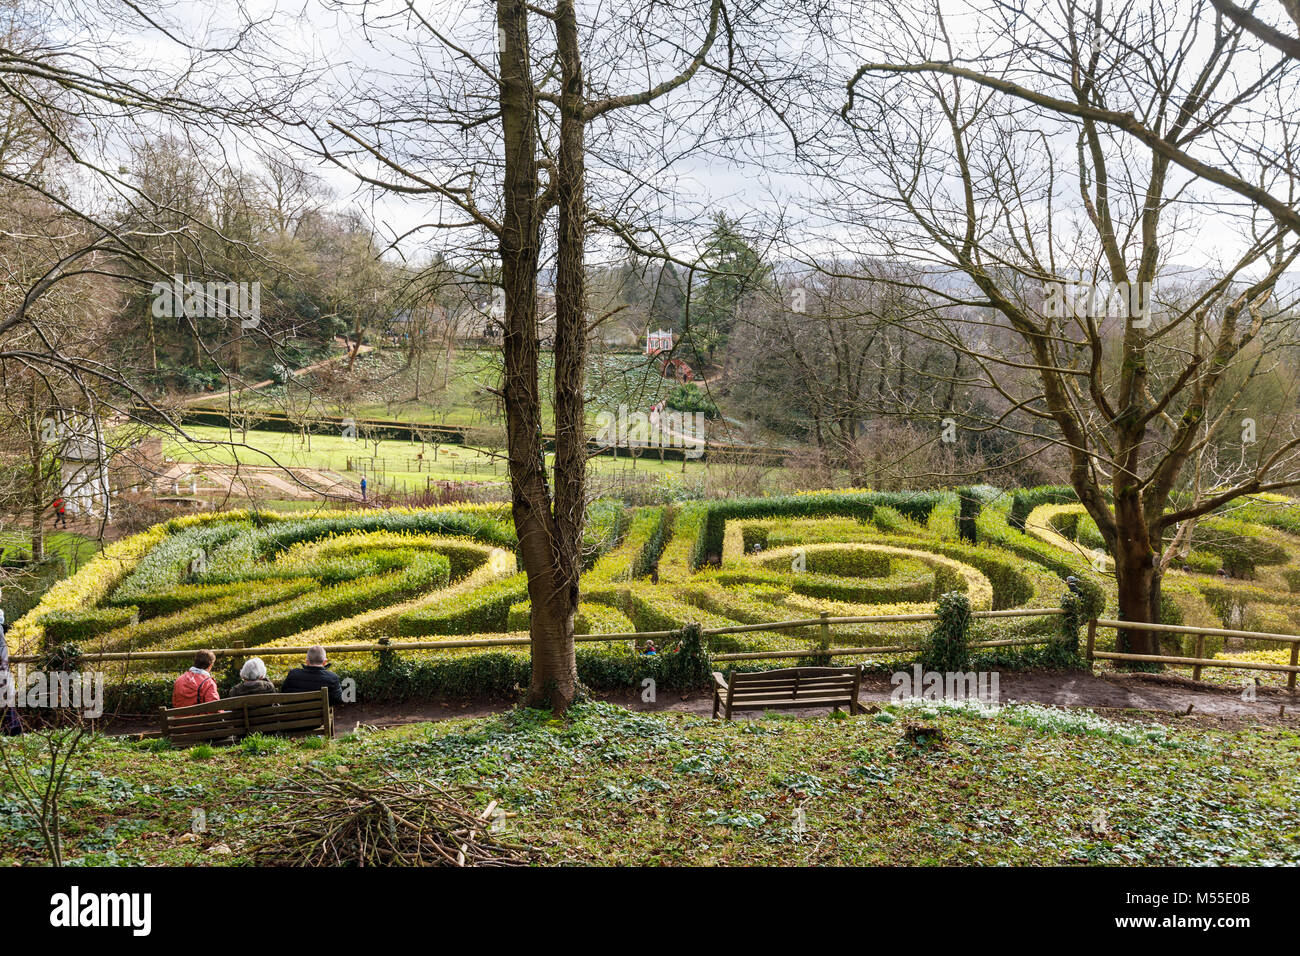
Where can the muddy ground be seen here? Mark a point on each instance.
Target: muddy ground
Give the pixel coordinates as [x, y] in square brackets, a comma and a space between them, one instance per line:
[1153, 695]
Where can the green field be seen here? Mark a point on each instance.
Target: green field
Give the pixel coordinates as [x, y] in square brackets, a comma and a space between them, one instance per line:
[458, 394]
[396, 460]
[75, 549]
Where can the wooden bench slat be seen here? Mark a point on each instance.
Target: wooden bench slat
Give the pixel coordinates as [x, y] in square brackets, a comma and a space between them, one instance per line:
[787, 688]
[256, 713]
[787, 704]
[307, 723]
[791, 688]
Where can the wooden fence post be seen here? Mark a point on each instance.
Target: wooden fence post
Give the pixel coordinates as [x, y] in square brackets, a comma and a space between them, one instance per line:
[825, 639]
[1092, 636]
[237, 660]
[1295, 660]
[1200, 654]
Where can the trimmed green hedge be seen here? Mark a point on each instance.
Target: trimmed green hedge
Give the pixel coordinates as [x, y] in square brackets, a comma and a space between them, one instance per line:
[970, 504]
[1239, 545]
[202, 618]
[590, 619]
[428, 572]
[648, 558]
[491, 674]
[860, 505]
[1026, 500]
[82, 624]
[483, 611]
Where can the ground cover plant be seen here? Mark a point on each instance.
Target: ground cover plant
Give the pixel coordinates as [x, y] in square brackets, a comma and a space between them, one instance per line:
[1017, 785]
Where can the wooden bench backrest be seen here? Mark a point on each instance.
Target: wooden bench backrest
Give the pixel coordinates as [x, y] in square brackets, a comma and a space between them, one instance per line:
[253, 713]
[794, 683]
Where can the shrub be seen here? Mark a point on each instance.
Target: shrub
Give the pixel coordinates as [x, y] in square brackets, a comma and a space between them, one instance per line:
[485, 610]
[860, 505]
[476, 524]
[942, 522]
[25, 583]
[684, 663]
[1241, 546]
[239, 600]
[995, 529]
[607, 522]
[648, 558]
[910, 581]
[425, 573]
[1074, 605]
[1203, 563]
[970, 505]
[75, 626]
[947, 648]
[652, 608]
[173, 558]
[590, 619]
[1026, 500]
[849, 561]
[87, 588]
[691, 398]
[641, 545]
[948, 571]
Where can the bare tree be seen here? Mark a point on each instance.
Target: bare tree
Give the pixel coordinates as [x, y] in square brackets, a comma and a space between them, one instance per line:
[515, 140]
[1070, 224]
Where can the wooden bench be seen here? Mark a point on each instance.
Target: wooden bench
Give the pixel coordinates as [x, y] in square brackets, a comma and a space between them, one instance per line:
[833, 687]
[304, 713]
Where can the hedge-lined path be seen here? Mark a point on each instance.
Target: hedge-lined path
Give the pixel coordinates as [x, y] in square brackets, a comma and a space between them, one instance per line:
[1163, 695]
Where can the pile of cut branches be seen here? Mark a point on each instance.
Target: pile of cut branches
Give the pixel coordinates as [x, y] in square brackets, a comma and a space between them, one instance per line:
[328, 821]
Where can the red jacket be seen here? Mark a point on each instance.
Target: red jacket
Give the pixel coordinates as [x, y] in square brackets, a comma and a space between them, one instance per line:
[194, 687]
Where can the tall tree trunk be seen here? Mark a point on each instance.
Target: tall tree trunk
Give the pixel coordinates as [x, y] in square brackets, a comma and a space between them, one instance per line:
[1136, 574]
[570, 359]
[554, 671]
[36, 454]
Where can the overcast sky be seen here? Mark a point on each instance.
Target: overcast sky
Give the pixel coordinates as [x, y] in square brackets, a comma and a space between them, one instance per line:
[347, 47]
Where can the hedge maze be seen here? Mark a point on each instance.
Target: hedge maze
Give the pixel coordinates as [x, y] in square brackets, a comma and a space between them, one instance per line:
[264, 580]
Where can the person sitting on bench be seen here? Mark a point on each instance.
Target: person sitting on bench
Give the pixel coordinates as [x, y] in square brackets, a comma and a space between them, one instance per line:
[252, 679]
[314, 676]
[196, 685]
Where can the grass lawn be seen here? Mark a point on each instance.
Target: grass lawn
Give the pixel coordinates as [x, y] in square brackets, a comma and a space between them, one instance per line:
[459, 397]
[331, 453]
[629, 379]
[1028, 786]
[75, 549]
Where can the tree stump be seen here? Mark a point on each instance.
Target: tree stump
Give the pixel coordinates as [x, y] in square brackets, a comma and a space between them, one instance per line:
[922, 736]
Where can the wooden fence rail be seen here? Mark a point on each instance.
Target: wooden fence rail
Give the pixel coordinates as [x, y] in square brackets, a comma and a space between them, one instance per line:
[824, 621]
[1199, 662]
[822, 648]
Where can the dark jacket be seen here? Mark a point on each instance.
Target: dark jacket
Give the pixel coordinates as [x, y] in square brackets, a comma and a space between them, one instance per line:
[244, 688]
[307, 678]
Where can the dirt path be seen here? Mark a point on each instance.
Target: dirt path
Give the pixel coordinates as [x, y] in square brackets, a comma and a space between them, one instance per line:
[343, 343]
[255, 480]
[1156, 695]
